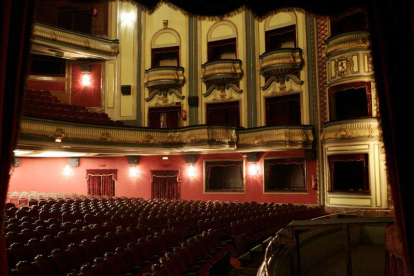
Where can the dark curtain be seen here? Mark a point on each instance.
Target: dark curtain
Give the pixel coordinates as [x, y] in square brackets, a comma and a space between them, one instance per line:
[216, 48]
[223, 114]
[350, 101]
[101, 182]
[283, 110]
[274, 38]
[349, 172]
[284, 174]
[394, 263]
[171, 114]
[349, 22]
[224, 175]
[15, 31]
[165, 184]
[158, 54]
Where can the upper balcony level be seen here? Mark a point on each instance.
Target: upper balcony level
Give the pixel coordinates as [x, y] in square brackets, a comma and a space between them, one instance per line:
[281, 62]
[38, 134]
[49, 40]
[221, 72]
[347, 41]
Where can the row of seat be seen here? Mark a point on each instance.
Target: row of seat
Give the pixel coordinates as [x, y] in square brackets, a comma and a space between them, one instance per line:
[41, 104]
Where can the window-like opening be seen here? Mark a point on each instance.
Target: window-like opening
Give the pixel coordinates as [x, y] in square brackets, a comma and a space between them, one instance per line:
[349, 173]
[281, 38]
[223, 114]
[165, 57]
[222, 49]
[224, 176]
[283, 110]
[79, 20]
[351, 22]
[284, 175]
[49, 66]
[350, 101]
[164, 117]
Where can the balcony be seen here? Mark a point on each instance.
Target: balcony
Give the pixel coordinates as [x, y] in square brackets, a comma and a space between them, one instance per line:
[36, 134]
[222, 72]
[164, 78]
[346, 42]
[281, 62]
[71, 45]
[352, 129]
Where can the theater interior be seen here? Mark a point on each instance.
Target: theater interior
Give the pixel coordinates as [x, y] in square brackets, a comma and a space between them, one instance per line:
[205, 138]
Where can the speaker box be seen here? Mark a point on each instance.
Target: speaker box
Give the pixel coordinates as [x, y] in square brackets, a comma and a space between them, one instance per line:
[16, 162]
[190, 159]
[193, 101]
[73, 162]
[310, 155]
[126, 89]
[85, 67]
[253, 156]
[133, 160]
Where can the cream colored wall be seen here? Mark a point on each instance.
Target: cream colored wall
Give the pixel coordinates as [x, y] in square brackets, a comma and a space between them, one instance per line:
[204, 27]
[153, 23]
[281, 20]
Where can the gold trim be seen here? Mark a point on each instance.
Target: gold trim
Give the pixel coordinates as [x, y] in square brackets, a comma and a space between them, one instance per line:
[348, 41]
[352, 129]
[281, 135]
[56, 35]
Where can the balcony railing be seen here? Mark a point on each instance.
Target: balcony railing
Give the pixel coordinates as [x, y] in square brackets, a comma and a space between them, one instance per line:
[165, 77]
[72, 44]
[351, 129]
[200, 138]
[347, 41]
[281, 62]
[222, 72]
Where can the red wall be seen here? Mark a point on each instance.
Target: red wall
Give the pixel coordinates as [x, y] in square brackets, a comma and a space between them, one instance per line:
[45, 175]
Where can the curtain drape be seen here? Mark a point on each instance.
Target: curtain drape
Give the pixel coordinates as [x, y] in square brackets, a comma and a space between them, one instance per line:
[224, 175]
[165, 184]
[279, 32]
[170, 112]
[213, 45]
[223, 114]
[157, 52]
[283, 110]
[15, 31]
[101, 182]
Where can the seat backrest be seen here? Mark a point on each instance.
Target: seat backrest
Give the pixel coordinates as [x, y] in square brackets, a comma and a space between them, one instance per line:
[25, 268]
[46, 265]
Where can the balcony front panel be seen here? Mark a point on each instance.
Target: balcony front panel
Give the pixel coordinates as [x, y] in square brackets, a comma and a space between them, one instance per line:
[277, 138]
[281, 62]
[349, 58]
[368, 128]
[222, 72]
[164, 78]
[38, 134]
[69, 44]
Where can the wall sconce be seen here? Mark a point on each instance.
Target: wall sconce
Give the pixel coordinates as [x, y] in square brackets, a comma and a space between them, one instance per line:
[191, 160]
[67, 171]
[59, 135]
[133, 162]
[253, 169]
[86, 80]
[253, 158]
[128, 19]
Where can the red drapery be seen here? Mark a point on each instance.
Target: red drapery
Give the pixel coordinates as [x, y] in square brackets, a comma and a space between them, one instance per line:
[223, 114]
[171, 114]
[165, 184]
[218, 178]
[101, 182]
[157, 53]
[283, 110]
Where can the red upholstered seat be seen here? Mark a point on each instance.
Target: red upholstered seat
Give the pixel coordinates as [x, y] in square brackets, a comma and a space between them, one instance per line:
[78, 255]
[20, 252]
[25, 268]
[63, 260]
[52, 243]
[103, 267]
[38, 247]
[47, 265]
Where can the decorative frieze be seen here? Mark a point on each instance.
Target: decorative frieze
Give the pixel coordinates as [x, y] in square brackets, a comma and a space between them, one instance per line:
[347, 41]
[362, 128]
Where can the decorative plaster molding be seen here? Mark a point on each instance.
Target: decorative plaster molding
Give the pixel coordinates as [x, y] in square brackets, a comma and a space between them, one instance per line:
[348, 41]
[363, 128]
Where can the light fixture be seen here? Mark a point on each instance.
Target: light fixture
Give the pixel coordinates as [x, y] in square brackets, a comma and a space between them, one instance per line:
[21, 152]
[165, 158]
[128, 19]
[253, 169]
[191, 170]
[86, 80]
[59, 154]
[133, 171]
[67, 171]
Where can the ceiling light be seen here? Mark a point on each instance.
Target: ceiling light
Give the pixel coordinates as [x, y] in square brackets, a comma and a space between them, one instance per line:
[59, 154]
[21, 152]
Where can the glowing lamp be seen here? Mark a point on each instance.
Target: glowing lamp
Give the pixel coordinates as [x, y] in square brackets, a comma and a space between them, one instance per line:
[253, 169]
[86, 80]
[128, 18]
[191, 170]
[67, 171]
[133, 172]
